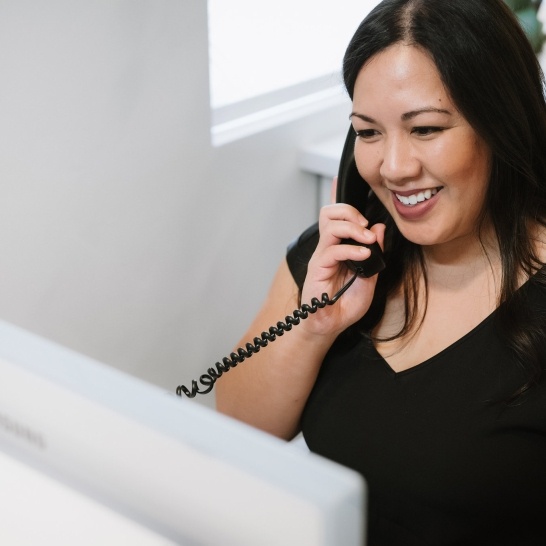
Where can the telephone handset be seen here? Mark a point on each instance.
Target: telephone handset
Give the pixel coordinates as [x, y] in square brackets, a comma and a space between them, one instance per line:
[354, 190]
[351, 189]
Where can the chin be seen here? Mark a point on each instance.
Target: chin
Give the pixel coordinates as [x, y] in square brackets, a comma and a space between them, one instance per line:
[423, 236]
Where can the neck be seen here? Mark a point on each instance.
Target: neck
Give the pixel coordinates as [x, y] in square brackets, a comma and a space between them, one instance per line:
[457, 261]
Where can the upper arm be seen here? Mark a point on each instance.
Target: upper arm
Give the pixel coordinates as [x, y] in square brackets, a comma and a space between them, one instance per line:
[258, 392]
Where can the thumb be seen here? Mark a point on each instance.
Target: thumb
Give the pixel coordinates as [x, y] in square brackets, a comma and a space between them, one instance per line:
[379, 230]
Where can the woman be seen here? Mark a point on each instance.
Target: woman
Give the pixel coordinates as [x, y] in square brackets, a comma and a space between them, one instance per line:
[429, 377]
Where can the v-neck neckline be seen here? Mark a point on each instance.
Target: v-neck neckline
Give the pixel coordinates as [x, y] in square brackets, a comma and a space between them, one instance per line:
[452, 346]
[430, 360]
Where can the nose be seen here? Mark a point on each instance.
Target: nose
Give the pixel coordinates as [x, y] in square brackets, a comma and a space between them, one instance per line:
[399, 162]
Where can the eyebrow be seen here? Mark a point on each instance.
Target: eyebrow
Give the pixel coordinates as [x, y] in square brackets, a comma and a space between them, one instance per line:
[407, 116]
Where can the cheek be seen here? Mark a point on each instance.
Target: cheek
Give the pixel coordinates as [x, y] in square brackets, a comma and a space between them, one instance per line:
[465, 154]
[463, 165]
[468, 168]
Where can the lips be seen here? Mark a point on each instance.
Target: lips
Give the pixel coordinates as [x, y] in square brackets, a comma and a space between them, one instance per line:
[412, 199]
[414, 204]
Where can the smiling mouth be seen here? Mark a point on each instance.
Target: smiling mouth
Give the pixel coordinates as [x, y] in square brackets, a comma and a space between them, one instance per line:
[416, 198]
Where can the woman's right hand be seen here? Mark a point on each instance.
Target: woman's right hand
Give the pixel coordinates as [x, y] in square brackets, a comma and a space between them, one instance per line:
[270, 392]
[328, 273]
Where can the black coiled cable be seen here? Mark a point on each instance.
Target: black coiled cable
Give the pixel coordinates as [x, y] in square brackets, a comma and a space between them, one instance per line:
[208, 379]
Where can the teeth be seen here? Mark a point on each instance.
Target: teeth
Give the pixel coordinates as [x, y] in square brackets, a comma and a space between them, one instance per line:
[412, 200]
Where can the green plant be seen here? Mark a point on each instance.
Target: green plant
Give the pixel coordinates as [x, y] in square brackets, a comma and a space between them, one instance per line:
[526, 12]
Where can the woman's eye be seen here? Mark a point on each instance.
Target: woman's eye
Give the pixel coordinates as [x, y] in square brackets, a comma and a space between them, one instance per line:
[366, 133]
[426, 130]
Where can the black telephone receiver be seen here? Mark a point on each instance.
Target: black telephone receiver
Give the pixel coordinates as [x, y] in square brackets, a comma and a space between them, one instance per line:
[354, 190]
[351, 189]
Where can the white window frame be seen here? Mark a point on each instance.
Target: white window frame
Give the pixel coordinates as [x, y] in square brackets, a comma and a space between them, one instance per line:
[236, 120]
[251, 116]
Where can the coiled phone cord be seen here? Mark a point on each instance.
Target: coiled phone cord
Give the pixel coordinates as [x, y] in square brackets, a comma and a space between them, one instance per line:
[208, 379]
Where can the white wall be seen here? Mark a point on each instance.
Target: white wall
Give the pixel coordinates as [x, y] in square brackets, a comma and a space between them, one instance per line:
[123, 233]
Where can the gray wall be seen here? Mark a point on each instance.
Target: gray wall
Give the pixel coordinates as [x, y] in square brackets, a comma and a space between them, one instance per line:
[123, 233]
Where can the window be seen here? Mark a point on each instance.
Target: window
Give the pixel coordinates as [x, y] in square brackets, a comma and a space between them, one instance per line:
[276, 61]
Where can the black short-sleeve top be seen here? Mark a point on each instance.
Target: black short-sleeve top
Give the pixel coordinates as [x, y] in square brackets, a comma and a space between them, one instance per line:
[446, 459]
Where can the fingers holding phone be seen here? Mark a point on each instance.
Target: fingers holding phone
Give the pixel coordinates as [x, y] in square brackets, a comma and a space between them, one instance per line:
[344, 236]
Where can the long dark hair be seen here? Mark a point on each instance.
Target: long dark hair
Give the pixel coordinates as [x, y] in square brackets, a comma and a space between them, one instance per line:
[494, 78]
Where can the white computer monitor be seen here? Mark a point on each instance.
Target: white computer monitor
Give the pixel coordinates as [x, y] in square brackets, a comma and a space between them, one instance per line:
[90, 455]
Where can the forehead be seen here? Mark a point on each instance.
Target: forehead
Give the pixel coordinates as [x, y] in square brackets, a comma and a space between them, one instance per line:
[398, 74]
